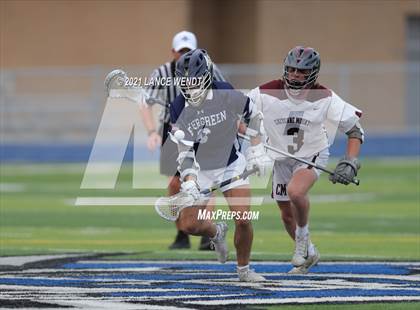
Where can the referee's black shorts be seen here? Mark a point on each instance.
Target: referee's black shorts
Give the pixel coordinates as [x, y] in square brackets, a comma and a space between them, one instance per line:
[168, 154]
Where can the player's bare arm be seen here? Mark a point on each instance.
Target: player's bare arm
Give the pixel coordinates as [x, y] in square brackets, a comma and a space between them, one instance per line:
[153, 138]
[348, 167]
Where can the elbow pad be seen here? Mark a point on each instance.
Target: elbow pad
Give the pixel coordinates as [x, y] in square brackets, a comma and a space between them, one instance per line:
[254, 128]
[187, 165]
[356, 132]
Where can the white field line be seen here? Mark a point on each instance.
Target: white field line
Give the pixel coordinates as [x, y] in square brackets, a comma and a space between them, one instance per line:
[85, 303]
[323, 275]
[33, 291]
[12, 187]
[413, 278]
[220, 201]
[29, 289]
[302, 300]
[334, 198]
[88, 303]
[148, 201]
[309, 285]
[357, 197]
[21, 260]
[209, 262]
[146, 269]
[278, 286]
[64, 292]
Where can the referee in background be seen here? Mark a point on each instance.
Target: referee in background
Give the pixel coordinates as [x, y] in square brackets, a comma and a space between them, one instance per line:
[182, 43]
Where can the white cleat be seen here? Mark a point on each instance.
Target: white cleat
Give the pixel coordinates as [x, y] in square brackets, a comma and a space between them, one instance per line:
[313, 259]
[249, 275]
[219, 242]
[301, 250]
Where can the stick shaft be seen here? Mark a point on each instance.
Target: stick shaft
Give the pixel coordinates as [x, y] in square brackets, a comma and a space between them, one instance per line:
[243, 175]
[269, 147]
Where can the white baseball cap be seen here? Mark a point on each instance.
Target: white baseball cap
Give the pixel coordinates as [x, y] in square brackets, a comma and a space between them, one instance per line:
[184, 39]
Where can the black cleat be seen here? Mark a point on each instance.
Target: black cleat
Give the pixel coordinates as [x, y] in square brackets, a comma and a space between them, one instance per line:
[205, 244]
[182, 241]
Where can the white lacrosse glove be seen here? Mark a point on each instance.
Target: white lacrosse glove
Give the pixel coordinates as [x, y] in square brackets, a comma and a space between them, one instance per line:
[256, 156]
[190, 188]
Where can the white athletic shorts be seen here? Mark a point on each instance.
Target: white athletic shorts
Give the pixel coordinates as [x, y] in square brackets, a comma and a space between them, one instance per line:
[208, 178]
[283, 171]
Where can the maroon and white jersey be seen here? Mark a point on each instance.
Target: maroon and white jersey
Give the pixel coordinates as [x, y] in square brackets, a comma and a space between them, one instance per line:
[302, 127]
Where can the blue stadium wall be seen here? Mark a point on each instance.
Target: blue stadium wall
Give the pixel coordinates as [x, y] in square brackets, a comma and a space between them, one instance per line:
[397, 145]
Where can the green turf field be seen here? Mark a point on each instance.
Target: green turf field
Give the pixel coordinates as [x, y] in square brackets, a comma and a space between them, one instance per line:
[379, 220]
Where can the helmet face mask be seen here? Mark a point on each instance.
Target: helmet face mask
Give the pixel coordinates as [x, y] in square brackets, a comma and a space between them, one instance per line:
[195, 71]
[301, 69]
[196, 92]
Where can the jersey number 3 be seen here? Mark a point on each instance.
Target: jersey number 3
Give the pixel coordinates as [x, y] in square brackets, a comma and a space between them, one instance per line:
[297, 134]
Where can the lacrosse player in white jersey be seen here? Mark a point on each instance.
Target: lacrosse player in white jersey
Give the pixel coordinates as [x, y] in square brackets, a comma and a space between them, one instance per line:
[301, 118]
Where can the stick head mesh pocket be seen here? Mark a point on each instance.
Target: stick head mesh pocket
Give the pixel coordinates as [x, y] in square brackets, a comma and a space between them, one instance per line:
[169, 207]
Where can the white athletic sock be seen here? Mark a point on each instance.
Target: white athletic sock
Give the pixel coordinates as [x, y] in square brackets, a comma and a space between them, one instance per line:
[302, 231]
[242, 268]
[311, 248]
[217, 233]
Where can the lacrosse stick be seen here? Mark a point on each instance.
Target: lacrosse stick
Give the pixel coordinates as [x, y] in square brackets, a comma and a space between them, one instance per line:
[269, 147]
[115, 87]
[170, 207]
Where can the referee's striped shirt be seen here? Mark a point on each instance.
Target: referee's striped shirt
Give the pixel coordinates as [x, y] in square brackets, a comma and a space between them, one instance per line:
[168, 93]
